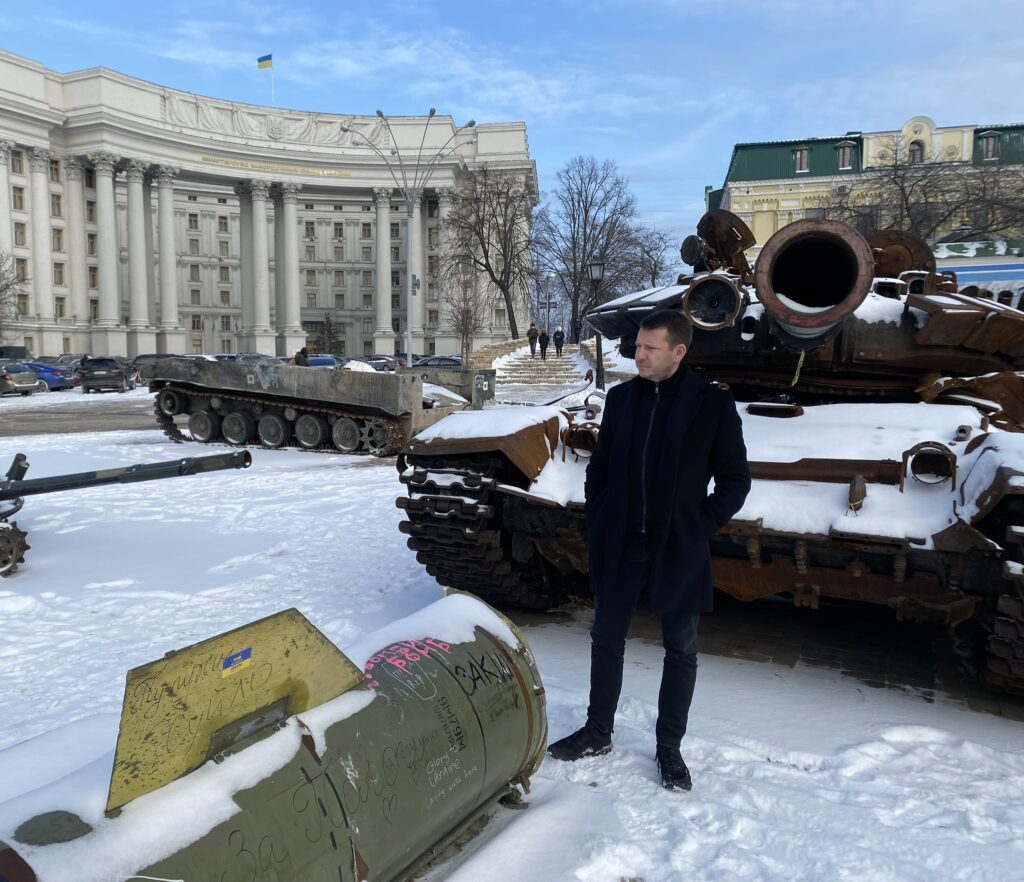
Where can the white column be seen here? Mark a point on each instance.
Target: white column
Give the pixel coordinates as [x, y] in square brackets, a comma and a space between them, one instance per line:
[416, 311]
[170, 337]
[141, 337]
[383, 333]
[40, 297]
[446, 341]
[262, 334]
[295, 336]
[6, 224]
[106, 227]
[278, 258]
[244, 193]
[78, 273]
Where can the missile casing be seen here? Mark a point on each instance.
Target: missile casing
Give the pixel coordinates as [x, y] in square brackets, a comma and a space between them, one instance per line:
[370, 785]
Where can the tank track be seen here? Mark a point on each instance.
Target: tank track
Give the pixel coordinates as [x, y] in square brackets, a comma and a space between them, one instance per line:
[454, 527]
[1004, 649]
[12, 547]
[397, 437]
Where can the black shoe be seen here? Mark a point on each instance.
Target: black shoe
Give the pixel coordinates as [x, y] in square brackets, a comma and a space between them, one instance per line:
[583, 742]
[674, 774]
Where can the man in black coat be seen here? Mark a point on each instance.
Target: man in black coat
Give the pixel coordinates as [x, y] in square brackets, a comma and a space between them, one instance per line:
[301, 358]
[664, 436]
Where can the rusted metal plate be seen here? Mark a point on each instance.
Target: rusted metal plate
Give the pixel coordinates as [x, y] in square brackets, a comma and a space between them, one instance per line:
[950, 327]
[831, 471]
[1005, 389]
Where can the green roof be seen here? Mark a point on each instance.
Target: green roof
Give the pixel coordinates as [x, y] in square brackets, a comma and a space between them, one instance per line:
[772, 160]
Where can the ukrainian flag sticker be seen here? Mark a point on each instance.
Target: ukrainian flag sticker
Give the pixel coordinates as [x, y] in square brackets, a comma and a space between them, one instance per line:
[239, 661]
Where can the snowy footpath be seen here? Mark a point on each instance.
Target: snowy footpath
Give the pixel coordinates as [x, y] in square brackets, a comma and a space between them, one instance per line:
[796, 776]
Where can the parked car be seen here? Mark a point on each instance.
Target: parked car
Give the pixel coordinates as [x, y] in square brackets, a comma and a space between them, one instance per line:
[16, 377]
[106, 373]
[15, 353]
[51, 376]
[383, 362]
[439, 361]
[403, 361]
[328, 361]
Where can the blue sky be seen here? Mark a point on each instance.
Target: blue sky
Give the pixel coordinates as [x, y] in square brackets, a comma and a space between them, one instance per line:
[663, 87]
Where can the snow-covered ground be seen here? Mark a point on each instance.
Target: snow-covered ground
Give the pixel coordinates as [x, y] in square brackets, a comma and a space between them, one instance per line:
[798, 774]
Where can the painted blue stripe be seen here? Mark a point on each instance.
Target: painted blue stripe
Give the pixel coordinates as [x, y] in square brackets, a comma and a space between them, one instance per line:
[983, 267]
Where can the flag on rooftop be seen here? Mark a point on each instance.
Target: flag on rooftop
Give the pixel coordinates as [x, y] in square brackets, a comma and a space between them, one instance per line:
[265, 61]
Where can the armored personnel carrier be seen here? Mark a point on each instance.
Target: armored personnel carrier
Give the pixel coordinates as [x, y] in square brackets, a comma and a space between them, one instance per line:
[882, 412]
[277, 405]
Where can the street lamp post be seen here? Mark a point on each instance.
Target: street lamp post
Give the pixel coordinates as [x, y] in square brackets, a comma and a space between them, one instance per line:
[596, 270]
[411, 183]
[547, 285]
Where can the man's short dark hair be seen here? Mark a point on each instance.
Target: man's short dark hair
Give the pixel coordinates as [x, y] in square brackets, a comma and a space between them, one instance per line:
[674, 322]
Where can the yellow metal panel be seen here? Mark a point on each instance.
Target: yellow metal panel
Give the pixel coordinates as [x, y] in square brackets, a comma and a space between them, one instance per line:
[173, 708]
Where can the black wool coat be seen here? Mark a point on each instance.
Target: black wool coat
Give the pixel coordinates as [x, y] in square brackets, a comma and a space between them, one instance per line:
[701, 438]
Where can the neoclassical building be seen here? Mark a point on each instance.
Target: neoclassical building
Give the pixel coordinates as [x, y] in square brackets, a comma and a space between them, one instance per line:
[145, 219]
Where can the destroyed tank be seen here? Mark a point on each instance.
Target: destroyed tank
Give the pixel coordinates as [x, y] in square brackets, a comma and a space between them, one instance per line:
[278, 405]
[882, 413]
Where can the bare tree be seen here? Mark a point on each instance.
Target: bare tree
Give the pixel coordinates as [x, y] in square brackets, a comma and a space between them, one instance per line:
[467, 305]
[11, 288]
[590, 217]
[655, 263]
[930, 196]
[487, 231]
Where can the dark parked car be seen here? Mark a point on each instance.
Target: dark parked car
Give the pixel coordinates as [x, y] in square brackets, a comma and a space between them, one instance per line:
[52, 376]
[439, 361]
[383, 362]
[17, 377]
[106, 373]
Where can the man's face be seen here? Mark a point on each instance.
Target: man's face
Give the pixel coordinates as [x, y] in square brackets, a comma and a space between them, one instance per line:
[656, 358]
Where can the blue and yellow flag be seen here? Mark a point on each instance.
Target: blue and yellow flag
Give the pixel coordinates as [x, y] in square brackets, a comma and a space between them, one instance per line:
[265, 61]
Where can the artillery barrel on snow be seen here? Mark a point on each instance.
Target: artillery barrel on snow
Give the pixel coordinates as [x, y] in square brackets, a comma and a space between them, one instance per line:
[811, 275]
[289, 759]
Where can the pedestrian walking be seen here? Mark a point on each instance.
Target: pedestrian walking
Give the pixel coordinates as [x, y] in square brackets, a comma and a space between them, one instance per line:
[531, 335]
[544, 339]
[301, 358]
[559, 340]
[649, 516]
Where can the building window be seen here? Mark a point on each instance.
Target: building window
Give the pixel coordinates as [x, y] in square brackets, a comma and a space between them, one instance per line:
[225, 298]
[499, 318]
[433, 237]
[222, 200]
[845, 156]
[60, 306]
[916, 153]
[193, 247]
[224, 248]
[310, 229]
[55, 170]
[56, 205]
[21, 269]
[17, 162]
[311, 252]
[367, 302]
[396, 325]
[432, 265]
[432, 318]
[367, 278]
[18, 198]
[339, 207]
[366, 231]
[339, 278]
[94, 277]
[394, 253]
[56, 239]
[432, 208]
[367, 326]
[308, 206]
[396, 301]
[339, 254]
[90, 178]
[197, 322]
[94, 309]
[224, 274]
[365, 207]
[19, 233]
[225, 324]
[311, 301]
[801, 157]
[367, 252]
[90, 211]
[225, 345]
[339, 301]
[23, 304]
[431, 291]
[194, 296]
[367, 347]
[58, 274]
[193, 272]
[90, 244]
[396, 279]
[193, 221]
[192, 197]
[222, 223]
[990, 147]
[339, 231]
[395, 233]
[311, 277]
[197, 347]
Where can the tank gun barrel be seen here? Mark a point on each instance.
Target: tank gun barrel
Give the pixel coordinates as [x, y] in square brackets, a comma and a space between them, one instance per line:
[15, 487]
[811, 275]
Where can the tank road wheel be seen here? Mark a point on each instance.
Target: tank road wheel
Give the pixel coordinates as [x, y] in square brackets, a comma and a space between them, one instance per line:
[204, 426]
[274, 430]
[376, 438]
[170, 402]
[12, 547]
[238, 428]
[310, 431]
[346, 435]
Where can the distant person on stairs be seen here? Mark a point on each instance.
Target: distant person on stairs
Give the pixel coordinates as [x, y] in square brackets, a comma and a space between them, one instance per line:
[544, 340]
[559, 340]
[531, 335]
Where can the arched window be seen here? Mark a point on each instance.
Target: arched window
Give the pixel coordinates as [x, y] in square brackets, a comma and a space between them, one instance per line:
[916, 153]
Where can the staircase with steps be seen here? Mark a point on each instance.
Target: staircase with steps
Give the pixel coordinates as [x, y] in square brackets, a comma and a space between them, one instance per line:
[522, 379]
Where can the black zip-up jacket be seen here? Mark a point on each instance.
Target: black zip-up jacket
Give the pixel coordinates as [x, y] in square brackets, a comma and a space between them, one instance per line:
[651, 469]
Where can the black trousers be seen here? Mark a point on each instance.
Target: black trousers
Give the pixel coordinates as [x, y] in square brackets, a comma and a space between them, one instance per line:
[608, 644]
